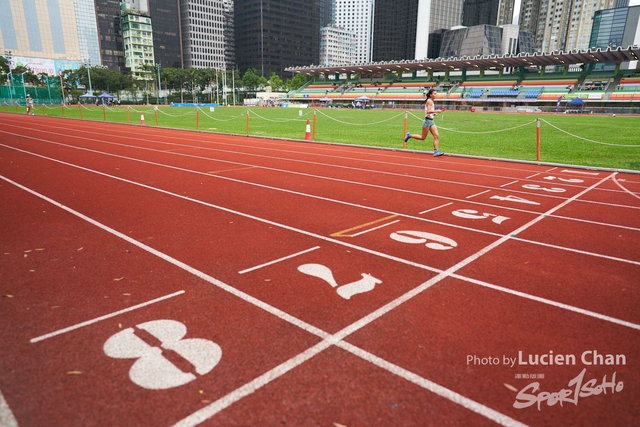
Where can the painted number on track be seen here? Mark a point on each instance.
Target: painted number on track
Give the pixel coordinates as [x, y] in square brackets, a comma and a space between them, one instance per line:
[571, 180]
[430, 240]
[152, 370]
[515, 199]
[366, 284]
[539, 188]
[471, 214]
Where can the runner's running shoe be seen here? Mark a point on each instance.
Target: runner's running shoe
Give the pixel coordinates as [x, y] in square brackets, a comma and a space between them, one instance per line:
[406, 138]
[437, 153]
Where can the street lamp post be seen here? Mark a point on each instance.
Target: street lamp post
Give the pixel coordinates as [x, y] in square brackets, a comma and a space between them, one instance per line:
[159, 84]
[88, 62]
[7, 54]
[24, 87]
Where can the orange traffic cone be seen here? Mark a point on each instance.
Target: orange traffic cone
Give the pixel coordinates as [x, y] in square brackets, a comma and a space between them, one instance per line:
[307, 135]
[141, 119]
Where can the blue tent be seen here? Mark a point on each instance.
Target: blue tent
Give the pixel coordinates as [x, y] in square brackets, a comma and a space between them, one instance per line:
[576, 103]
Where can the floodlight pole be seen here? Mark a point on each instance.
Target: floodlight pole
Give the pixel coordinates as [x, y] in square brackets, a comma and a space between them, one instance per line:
[7, 54]
[159, 84]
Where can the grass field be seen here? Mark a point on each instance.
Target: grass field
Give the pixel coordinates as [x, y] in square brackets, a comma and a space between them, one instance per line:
[589, 140]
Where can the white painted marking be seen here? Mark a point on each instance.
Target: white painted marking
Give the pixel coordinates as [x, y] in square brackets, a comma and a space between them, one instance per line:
[266, 264]
[435, 388]
[477, 194]
[375, 228]
[550, 302]
[431, 240]
[106, 316]
[624, 188]
[581, 172]
[327, 340]
[436, 208]
[151, 370]
[365, 284]
[508, 184]
[6, 416]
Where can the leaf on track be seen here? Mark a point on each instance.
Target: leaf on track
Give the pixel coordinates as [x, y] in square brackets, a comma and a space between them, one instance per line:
[510, 387]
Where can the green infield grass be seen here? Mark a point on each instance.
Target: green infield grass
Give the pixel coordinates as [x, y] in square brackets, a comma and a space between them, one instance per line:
[601, 141]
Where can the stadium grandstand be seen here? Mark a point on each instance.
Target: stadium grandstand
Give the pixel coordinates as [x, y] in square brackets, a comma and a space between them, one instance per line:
[608, 81]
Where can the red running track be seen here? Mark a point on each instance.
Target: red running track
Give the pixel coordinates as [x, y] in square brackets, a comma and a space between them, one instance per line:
[154, 277]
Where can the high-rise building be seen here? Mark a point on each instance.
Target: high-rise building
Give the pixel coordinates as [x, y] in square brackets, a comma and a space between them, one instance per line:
[356, 16]
[560, 25]
[619, 27]
[167, 37]
[272, 35]
[337, 46]
[111, 46]
[412, 29]
[443, 15]
[137, 38]
[202, 33]
[49, 36]
[229, 34]
[485, 40]
[489, 12]
[392, 42]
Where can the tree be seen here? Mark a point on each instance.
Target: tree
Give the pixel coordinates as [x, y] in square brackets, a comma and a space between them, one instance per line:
[297, 81]
[275, 82]
[251, 79]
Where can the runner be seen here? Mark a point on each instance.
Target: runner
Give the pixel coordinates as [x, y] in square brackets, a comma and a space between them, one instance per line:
[429, 125]
[29, 105]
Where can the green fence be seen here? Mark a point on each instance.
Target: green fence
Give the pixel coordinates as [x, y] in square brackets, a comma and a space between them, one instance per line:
[47, 93]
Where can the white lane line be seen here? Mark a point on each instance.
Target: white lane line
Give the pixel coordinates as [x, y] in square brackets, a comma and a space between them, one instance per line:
[266, 264]
[508, 184]
[435, 388]
[477, 194]
[329, 340]
[375, 228]
[246, 297]
[581, 172]
[6, 416]
[249, 388]
[106, 316]
[436, 208]
[268, 187]
[552, 303]
[625, 189]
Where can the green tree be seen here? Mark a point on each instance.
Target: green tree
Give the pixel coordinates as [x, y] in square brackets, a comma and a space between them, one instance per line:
[275, 82]
[297, 81]
[251, 79]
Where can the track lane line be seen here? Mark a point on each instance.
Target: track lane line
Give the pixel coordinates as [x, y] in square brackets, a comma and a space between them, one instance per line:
[393, 174]
[327, 340]
[6, 415]
[104, 317]
[378, 313]
[276, 261]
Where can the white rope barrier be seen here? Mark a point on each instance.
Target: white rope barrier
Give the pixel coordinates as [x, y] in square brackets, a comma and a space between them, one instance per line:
[590, 140]
[220, 120]
[360, 124]
[253, 113]
[483, 132]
